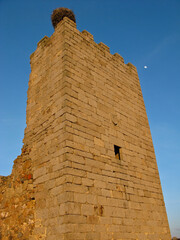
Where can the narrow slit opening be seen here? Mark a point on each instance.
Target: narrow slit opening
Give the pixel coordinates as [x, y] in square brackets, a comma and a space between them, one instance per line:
[117, 152]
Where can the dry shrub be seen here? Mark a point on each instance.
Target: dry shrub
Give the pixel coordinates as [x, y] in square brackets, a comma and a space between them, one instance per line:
[59, 13]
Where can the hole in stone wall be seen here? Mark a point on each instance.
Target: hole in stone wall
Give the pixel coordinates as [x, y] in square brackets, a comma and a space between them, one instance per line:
[117, 152]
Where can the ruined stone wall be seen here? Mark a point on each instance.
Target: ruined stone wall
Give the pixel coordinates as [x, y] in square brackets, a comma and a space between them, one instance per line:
[17, 201]
[82, 101]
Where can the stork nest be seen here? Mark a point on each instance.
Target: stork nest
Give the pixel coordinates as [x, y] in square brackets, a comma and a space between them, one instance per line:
[59, 13]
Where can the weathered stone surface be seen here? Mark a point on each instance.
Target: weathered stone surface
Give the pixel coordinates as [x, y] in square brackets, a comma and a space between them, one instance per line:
[68, 183]
[17, 202]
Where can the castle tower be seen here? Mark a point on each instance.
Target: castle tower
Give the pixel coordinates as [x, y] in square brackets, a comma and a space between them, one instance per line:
[89, 162]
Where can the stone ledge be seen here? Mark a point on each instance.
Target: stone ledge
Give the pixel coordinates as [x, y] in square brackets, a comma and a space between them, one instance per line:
[88, 35]
[68, 21]
[104, 46]
[116, 55]
[43, 41]
[131, 66]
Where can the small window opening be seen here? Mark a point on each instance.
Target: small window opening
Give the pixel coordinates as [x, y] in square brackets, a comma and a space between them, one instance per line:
[117, 152]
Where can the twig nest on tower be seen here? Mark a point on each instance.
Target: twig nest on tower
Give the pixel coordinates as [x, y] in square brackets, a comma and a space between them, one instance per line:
[59, 13]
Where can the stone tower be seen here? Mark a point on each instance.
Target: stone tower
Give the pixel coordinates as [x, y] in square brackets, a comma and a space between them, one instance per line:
[88, 169]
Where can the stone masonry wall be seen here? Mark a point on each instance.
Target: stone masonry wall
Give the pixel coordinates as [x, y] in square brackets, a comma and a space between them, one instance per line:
[68, 184]
[45, 133]
[17, 200]
[108, 198]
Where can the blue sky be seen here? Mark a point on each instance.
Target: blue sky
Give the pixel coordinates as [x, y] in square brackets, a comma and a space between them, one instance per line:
[145, 33]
